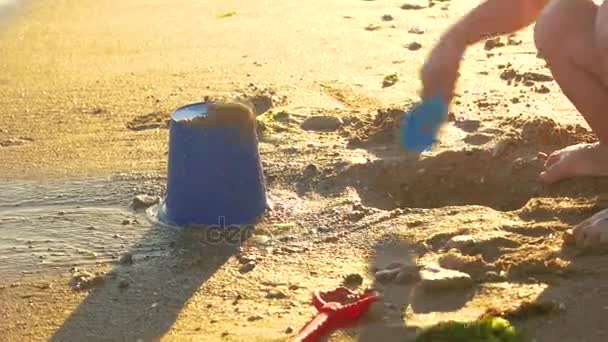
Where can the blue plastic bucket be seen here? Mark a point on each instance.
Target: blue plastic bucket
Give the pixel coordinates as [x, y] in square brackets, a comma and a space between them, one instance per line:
[214, 170]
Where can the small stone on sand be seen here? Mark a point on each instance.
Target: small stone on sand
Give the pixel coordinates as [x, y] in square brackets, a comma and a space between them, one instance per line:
[85, 280]
[331, 239]
[126, 259]
[416, 30]
[144, 201]
[434, 277]
[414, 46]
[460, 242]
[248, 267]
[255, 318]
[322, 123]
[289, 330]
[411, 7]
[390, 80]
[276, 294]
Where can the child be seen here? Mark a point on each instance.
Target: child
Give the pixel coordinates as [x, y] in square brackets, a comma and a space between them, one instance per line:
[572, 37]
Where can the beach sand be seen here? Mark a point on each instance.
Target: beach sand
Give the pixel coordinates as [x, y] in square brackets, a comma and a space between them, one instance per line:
[86, 89]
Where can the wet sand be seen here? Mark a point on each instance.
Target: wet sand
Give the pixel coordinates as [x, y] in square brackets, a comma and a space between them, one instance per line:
[86, 90]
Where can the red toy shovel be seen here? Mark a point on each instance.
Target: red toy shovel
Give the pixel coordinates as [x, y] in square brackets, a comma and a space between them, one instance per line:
[338, 309]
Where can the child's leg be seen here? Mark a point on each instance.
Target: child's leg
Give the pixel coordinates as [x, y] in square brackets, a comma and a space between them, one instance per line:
[567, 36]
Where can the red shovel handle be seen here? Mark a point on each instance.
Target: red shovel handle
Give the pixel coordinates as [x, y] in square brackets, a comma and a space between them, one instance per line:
[315, 329]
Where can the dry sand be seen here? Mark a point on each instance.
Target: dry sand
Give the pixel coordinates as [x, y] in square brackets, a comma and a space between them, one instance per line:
[86, 89]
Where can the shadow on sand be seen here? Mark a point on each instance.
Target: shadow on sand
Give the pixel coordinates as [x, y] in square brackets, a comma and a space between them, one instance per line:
[157, 292]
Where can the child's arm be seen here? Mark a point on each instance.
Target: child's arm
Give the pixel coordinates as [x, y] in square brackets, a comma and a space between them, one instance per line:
[496, 17]
[491, 18]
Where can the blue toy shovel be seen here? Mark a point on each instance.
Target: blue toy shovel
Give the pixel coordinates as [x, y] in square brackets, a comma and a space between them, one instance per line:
[420, 126]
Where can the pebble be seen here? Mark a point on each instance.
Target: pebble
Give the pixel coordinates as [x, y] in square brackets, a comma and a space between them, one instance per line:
[248, 267]
[255, 318]
[144, 201]
[311, 170]
[126, 259]
[414, 46]
[126, 222]
[460, 242]
[85, 280]
[289, 330]
[416, 30]
[411, 7]
[282, 117]
[276, 294]
[237, 297]
[322, 123]
[387, 17]
[123, 284]
[434, 277]
[331, 239]
[245, 258]
[324, 229]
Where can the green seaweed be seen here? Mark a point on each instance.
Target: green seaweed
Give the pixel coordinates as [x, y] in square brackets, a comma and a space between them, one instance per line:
[227, 14]
[487, 329]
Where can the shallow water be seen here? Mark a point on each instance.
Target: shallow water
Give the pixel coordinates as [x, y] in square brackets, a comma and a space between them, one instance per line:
[59, 224]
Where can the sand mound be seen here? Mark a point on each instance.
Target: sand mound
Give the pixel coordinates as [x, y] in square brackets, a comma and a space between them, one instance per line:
[544, 131]
[382, 129]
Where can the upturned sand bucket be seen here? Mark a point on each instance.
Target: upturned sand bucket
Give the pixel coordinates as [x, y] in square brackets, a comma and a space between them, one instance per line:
[214, 170]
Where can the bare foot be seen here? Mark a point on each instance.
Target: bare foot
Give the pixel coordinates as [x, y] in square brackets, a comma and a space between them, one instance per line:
[575, 161]
[591, 234]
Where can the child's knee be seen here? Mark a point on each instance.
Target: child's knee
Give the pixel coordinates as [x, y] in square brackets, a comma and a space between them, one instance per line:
[561, 21]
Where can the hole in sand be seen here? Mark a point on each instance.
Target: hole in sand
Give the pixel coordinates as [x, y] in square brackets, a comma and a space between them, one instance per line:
[456, 178]
[504, 178]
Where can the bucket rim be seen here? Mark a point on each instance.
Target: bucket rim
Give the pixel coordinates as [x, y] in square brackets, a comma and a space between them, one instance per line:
[203, 110]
